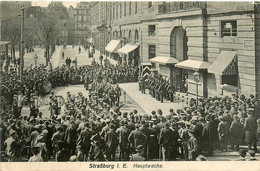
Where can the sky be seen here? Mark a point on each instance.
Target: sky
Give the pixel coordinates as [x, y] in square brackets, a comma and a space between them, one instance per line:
[44, 3]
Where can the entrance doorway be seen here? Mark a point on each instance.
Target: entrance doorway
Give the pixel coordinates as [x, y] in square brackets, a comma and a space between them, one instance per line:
[178, 50]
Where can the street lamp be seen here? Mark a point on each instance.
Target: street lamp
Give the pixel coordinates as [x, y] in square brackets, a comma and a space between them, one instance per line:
[36, 60]
[197, 79]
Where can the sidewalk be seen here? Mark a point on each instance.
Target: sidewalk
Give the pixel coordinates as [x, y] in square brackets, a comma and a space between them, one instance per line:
[148, 103]
[56, 56]
[97, 55]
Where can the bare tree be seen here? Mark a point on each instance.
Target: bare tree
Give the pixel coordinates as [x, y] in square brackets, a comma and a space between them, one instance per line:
[46, 32]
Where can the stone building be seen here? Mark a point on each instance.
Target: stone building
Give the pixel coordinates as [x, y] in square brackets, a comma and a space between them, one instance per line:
[60, 13]
[82, 22]
[217, 40]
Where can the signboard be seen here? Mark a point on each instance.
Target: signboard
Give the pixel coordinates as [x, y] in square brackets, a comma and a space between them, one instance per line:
[248, 43]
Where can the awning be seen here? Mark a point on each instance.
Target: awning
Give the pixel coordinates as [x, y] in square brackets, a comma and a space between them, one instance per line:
[225, 64]
[113, 46]
[4, 42]
[193, 65]
[127, 48]
[164, 60]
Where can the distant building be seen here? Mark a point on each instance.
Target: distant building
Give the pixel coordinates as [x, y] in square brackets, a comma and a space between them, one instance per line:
[59, 12]
[71, 25]
[82, 22]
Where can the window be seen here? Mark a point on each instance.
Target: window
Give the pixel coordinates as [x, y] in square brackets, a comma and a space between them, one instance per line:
[120, 10]
[230, 80]
[150, 4]
[151, 30]
[135, 7]
[152, 51]
[130, 8]
[136, 35]
[64, 24]
[113, 12]
[124, 8]
[116, 11]
[228, 28]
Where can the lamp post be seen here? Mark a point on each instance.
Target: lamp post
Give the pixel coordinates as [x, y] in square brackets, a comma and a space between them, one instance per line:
[197, 79]
[22, 46]
[35, 60]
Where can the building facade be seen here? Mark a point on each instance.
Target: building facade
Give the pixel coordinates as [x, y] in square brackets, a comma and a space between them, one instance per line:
[220, 41]
[82, 22]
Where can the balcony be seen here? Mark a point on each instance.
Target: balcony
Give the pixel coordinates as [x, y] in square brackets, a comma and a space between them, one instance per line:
[173, 7]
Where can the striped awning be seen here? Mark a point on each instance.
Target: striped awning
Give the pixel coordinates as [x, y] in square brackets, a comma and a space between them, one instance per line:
[225, 64]
[193, 65]
[127, 48]
[164, 60]
[113, 46]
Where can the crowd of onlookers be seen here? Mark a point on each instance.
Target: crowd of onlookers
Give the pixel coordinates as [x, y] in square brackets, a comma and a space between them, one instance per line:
[93, 128]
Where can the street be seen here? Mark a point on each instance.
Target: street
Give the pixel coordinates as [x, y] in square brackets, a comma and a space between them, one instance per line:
[133, 99]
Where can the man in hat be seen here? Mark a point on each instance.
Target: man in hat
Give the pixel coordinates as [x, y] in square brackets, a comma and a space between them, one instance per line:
[71, 138]
[84, 140]
[123, 134]
[136, 138]
[236, 131]
[139, 154]
[193, 146]
[223, 130]
[111, 142]
[250, 127]
[207, 136]
[166, 139]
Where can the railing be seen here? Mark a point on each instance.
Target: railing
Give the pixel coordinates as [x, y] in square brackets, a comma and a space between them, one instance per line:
[171, 7]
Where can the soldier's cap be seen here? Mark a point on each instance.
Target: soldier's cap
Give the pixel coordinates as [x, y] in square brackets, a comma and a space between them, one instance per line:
[159, 111]
[153, 112]
[171, 110]
[139, 148]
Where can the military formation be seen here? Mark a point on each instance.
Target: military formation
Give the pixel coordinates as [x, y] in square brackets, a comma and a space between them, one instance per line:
[159, 88]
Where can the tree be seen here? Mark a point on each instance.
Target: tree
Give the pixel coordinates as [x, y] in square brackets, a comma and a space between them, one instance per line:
[46, 32]
[11, 31]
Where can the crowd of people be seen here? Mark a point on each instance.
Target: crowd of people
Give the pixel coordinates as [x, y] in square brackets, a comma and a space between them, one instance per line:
[93, 127]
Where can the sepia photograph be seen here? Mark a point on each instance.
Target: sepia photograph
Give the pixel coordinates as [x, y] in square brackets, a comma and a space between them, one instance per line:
[142, 83]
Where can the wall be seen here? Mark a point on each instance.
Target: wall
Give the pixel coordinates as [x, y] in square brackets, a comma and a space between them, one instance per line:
[245, 50]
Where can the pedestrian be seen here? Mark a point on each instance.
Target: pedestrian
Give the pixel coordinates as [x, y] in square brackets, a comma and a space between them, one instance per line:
[193, 146]
[223, 130]
[236, 131]
[166, 141]
[111, 142]
[250, 127]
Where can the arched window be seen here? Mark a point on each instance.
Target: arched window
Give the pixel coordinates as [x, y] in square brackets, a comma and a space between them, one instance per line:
[130, 36]
[136, 35]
